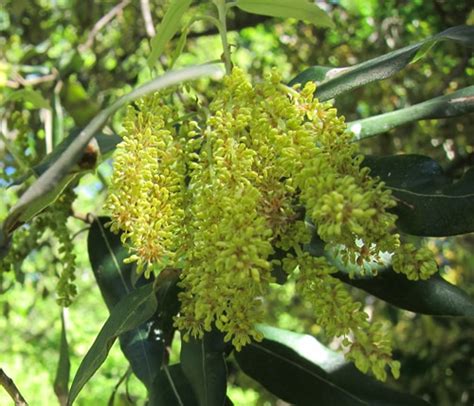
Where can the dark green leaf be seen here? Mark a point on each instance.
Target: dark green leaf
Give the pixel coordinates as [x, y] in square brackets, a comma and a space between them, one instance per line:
[299, 9]
[52, 182]
[167, 29]
[203, 363]
[300, 370]
[452, 105]
[61, 382]
[132, 311]
[381, 67]
[428, 203]
[142, 347]
[106, 254]
[410, 171]
[171, 388]
[434, 296]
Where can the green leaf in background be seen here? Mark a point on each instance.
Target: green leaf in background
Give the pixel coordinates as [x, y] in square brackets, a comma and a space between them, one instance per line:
[143, 349]
[171, 388]
[77, 102]
[32, 96]
[50, 184]
[98, 149]
[452, 105]
[299, 9]
[302, 371]
[381, 67]
[167, 29]
[61, 381]
[132, 311]
[429, 204]
[203, 363]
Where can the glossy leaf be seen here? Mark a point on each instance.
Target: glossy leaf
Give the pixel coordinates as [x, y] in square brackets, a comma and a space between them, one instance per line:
[132, 311]
[429, 204]
[171, 388]
[434, 296]
[50, 184]
[203, 363]
[143, 349]
[61, 381]
[452, 105]
[299, 9]
[168, 27]
[300, 370]
[409, 171]
[382, 67]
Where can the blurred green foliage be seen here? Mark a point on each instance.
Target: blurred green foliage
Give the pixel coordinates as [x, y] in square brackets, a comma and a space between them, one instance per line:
[50, 47]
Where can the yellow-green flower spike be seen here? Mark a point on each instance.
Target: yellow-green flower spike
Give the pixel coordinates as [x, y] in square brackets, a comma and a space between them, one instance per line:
[215, 196]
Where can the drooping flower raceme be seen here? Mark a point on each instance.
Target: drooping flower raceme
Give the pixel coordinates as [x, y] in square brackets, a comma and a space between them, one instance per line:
[216, 197]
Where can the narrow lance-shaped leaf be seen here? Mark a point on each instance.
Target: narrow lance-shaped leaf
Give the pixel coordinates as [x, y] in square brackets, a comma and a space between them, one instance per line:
[167, 29]
[132, 311]
[341, 80]
[45, 190]
[142, 348]
[434, 296]
[435, 208]
[452, 105]
[300, 370]
[203, 363]
[299, 9]
[172, 388]
[61, 382]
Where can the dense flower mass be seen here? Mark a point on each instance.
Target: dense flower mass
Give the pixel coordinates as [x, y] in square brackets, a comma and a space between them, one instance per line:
[216, 197]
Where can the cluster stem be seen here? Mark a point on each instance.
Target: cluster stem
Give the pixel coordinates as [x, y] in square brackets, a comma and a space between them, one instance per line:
[222, 27]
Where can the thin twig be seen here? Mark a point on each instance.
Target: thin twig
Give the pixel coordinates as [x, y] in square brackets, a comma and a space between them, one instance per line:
[101, 23]
[120, 381]
[19, 80]
[149, 26]
[11, 389]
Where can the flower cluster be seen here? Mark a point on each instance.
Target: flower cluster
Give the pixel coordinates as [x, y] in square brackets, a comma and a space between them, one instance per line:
[147, 190]
[30, 236]
[216, 197]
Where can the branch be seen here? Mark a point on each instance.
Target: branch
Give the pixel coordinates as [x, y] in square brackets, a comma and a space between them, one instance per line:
[102, 23]
[149, 27]
[11, 389]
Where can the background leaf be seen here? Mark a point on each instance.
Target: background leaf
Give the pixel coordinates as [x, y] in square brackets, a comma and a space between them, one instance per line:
[383, 66]
[32, 96]
[452, 105]
[167, 29]
[300, 370]
[132, 311]
[299, 9]
[203, 363]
